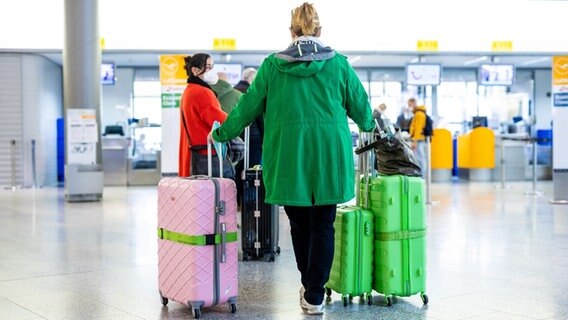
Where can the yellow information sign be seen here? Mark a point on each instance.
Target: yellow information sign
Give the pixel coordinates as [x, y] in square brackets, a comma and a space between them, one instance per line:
[427, 45]
[224, 44]
[502, 46]
[172, 70]
[560, 70]
[173, 79]
[102, 43]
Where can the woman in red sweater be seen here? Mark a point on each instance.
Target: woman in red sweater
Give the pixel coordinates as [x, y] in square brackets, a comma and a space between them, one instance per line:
[199, 108]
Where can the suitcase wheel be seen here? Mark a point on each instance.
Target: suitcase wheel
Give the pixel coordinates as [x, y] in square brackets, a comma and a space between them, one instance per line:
[233, 308]
[424, 298]
[196, 312]
[278, 250]
[164, 301]
[388, 300]
[345, 299]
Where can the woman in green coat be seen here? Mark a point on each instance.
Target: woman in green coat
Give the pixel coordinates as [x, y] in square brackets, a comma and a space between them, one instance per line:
[306, 93]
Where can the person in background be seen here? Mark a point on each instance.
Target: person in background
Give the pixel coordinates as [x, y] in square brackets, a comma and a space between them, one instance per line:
[256, 132]
[403, 119]
[378, 114]
[416, 130]
[306, 93]
[226, 94]
[199, 108]
[248, 77]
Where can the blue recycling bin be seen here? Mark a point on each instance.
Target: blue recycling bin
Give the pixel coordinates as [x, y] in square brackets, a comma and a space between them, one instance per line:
[544, 137]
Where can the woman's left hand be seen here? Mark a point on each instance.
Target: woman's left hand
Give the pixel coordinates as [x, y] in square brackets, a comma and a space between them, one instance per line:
[210, 136]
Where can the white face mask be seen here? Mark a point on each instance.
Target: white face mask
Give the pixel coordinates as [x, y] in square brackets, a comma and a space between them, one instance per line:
[210, 77]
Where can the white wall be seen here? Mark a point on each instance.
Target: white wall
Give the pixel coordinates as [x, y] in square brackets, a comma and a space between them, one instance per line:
[543, 103]
[117, 99]
[42, 83]
[11, 119]
[364, 25]
[30, 103]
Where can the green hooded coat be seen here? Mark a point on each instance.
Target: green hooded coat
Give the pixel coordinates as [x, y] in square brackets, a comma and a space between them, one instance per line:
[227, 95]
[306, 94]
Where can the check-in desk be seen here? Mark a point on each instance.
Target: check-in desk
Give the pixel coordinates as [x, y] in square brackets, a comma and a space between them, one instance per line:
[115, 160]
[476, 154]
[518, 152]
[441, 156]
[145, 170]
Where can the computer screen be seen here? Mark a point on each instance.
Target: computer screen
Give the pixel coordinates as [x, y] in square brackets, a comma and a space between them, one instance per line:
[234, 71]
[107, 73]
[496, 74]
[420, 74]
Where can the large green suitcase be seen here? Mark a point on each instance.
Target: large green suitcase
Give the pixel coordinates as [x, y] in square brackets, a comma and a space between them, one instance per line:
[398, 204]
[352, 268]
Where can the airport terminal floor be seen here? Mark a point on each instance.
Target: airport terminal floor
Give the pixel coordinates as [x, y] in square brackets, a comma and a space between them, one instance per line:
[492, 254]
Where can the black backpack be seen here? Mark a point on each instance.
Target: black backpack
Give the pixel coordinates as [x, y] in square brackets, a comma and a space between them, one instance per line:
[429, 127]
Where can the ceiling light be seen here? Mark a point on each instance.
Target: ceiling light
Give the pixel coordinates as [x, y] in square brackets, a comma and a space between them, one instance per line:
[476, 60]
[533, 61]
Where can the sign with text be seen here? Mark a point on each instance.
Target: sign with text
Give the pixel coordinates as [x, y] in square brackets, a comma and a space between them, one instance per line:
[560, 118]
[173, 79]
[427, 45]
[502, 46]
[82, 136]
[224, 44]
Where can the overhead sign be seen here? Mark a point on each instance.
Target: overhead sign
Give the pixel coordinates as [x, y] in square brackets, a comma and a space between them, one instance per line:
[502, 46]
[224, 44]
[427, 45]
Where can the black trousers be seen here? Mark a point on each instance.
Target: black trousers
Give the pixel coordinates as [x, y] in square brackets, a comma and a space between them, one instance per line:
[199, 166]
[313, 240]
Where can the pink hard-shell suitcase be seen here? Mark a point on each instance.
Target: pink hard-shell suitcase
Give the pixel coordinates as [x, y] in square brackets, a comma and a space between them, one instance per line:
[197, 245]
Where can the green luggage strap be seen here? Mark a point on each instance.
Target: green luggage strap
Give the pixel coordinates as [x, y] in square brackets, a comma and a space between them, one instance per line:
[201, 240]
[400, 235]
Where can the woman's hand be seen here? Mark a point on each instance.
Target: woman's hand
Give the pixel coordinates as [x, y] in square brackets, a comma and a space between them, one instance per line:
[210, 136]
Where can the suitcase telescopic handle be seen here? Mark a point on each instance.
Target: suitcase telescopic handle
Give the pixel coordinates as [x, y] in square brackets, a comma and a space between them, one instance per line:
[247, 150]
[366, 168]
[210, 160]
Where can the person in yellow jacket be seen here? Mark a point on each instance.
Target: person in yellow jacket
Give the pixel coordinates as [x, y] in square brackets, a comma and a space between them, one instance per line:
[417, 125]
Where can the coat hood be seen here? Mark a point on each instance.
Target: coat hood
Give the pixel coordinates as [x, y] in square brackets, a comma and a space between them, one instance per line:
[303, 58]
[420, 108]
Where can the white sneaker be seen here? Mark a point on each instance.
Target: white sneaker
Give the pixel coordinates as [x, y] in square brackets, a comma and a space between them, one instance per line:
[302, 291]
[312, 309]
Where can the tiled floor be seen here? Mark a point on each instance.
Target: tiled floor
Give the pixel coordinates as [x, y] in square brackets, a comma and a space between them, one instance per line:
[492, 254]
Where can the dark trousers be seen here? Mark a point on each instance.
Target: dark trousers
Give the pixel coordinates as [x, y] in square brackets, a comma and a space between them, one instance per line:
[313, 240]
[199, 166]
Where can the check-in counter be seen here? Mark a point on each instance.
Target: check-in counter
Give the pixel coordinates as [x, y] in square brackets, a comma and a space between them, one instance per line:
[518, 157]
[115, 159]
[476, 154]
[145, 170]
[441, 156]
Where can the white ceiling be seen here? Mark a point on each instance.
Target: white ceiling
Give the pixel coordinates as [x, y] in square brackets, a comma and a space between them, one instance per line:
[358, 59]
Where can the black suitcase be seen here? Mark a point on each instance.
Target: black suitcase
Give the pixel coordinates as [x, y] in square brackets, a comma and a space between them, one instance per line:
[259, 220]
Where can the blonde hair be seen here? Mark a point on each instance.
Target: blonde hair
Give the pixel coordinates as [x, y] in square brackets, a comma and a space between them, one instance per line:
[305, 20]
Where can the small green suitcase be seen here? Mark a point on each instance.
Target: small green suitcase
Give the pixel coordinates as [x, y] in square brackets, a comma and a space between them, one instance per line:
[352, 268]
[398, 204]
